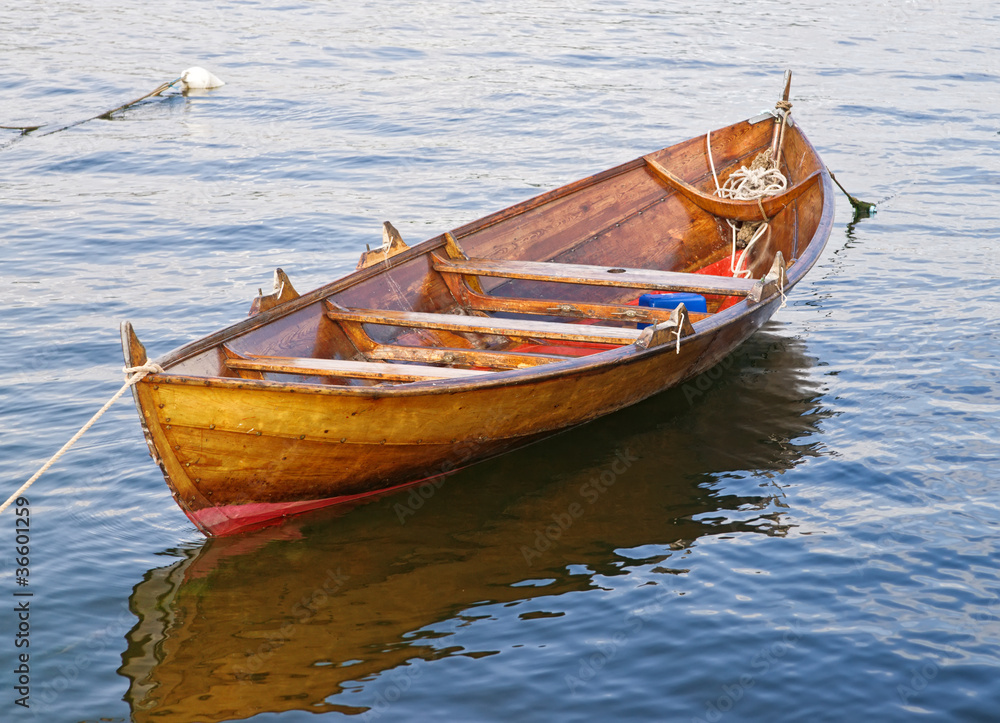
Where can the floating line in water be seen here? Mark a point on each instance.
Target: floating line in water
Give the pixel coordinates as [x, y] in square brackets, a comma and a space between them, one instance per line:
[194, 77]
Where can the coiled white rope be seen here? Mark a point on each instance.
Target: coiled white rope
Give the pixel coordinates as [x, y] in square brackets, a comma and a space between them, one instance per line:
[718, 192]
[737, 268]
[133, 375]
[761, 179]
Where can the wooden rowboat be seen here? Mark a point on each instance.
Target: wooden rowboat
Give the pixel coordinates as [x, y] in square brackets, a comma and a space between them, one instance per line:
[484, 339]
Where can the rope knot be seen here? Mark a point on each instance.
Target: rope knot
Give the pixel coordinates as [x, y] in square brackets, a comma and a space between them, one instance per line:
[784, 105]
[136, 374]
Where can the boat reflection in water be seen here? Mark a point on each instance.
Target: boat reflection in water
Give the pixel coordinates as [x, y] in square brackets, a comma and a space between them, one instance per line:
[287, 617]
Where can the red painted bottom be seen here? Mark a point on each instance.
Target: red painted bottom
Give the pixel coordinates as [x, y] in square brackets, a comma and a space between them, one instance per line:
[230, 519]
[720, 268]
[565, 348]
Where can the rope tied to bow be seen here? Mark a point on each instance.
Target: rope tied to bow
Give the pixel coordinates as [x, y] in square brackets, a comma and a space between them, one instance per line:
[133, 375]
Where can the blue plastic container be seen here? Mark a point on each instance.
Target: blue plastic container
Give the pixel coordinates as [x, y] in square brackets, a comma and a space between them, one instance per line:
[693, 302]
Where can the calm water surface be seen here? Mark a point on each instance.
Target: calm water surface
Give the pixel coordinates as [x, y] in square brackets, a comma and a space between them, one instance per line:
[807, 532]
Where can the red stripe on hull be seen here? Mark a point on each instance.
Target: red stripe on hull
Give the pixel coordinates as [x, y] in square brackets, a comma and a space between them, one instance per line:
[230, 519]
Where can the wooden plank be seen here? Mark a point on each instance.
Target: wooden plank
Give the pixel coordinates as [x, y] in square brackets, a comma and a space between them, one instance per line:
[490, 325]
[229, 353]
[763, 210]
[492, 359]
[347, 368]
[456, 252]
[358, 336]
[649, 279]
[574, 309]
[471, 297]
[556, 221]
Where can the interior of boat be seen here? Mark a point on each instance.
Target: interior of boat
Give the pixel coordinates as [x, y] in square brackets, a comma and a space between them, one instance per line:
[632, 255]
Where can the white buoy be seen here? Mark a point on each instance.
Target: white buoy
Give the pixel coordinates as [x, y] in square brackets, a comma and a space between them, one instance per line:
[200, 78]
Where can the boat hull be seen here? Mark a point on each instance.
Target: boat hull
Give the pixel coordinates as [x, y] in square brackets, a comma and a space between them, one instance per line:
[239, 447]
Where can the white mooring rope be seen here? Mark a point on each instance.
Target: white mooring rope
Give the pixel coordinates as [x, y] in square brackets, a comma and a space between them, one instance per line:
[137, 374]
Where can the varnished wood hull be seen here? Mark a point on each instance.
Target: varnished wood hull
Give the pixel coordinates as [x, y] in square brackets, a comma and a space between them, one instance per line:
[242, 448]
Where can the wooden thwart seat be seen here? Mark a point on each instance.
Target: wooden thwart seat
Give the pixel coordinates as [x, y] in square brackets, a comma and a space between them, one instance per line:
[679, 326]
[463, 356]
[347, 368]
[492, 359]
[648, 279]
[488, 325]
[476, 301]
